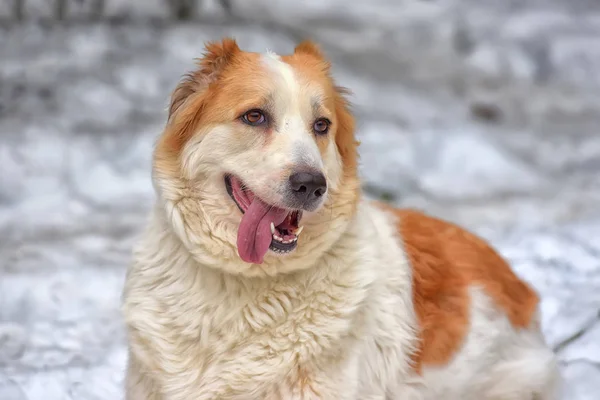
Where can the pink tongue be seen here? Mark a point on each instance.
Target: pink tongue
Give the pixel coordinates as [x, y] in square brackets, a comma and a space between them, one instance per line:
[254, 233]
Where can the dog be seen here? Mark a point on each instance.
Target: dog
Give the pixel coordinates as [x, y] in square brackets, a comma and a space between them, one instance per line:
[265, 273]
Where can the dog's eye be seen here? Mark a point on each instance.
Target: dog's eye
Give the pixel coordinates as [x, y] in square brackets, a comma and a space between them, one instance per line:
[254, 117]
[321, 126]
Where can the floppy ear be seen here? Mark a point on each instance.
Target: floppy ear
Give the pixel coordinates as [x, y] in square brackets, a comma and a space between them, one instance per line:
[216, 56]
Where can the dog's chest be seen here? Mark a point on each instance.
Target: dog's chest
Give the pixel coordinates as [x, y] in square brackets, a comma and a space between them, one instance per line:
[282, 319]
[275, 335]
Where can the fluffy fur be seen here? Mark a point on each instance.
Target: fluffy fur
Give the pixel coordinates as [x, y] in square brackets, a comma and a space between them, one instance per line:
[374, 303]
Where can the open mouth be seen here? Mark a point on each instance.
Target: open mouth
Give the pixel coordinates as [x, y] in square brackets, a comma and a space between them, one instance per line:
[264, 226]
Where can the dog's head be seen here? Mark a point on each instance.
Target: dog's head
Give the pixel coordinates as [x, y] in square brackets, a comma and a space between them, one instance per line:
[257, 166]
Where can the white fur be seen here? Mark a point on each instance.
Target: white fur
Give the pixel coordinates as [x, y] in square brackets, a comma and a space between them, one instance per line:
[347, 322]
[496, 362]
[214, 335]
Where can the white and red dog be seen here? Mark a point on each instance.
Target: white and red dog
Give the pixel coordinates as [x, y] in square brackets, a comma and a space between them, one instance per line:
[264, 274]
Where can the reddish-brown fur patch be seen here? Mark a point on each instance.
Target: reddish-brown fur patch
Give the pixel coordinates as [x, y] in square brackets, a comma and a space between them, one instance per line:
[447, 260]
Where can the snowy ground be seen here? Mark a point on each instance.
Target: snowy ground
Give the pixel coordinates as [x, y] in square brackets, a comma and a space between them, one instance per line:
[476, 111]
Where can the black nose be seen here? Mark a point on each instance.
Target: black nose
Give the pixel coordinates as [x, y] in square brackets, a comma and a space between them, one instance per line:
[308, 186]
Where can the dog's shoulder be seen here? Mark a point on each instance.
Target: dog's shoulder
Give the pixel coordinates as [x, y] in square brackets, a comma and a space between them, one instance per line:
[446, 261]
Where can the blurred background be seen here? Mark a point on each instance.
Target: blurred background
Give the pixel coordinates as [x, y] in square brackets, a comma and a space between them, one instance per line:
[484, 112]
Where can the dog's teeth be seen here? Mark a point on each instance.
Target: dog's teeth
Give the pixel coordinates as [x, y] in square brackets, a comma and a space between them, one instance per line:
[272, 228]
[299, 230]
[278, 238]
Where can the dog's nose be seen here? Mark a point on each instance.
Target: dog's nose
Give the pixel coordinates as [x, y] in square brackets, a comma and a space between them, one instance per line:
[308, 186]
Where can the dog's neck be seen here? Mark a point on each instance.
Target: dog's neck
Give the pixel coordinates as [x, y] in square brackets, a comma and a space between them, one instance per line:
[166, 247]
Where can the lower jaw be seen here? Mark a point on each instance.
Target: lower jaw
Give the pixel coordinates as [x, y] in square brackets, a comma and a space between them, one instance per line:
[282, 248]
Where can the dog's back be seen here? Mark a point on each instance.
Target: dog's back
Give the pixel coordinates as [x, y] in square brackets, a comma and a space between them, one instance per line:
[478, 322]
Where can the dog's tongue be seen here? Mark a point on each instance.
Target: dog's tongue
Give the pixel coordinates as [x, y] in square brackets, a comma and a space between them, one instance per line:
[254, 233]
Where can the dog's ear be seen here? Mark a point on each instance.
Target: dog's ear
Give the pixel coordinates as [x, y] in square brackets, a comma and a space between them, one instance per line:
[192, 89]
[216, 56]
[309, 47]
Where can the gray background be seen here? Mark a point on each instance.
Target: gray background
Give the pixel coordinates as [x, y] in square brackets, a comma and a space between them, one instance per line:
[484, 112]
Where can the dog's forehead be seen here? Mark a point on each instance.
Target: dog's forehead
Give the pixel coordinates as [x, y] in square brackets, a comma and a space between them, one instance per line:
[278, 69]
[290, 83]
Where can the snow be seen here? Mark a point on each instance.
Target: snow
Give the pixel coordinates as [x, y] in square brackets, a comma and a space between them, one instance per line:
[82, 104]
